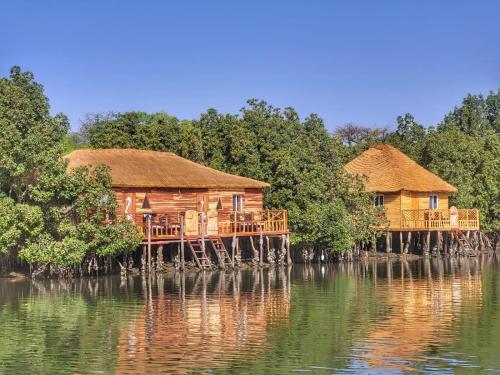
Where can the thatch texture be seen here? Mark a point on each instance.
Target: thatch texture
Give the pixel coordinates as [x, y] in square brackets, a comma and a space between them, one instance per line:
[140, 168]
[389, 170]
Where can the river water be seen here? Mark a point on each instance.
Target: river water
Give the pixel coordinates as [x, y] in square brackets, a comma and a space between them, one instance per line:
[365, 317]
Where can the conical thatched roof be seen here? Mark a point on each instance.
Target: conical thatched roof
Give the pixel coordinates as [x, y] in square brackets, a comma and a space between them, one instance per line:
[389, 170]
[140, 168]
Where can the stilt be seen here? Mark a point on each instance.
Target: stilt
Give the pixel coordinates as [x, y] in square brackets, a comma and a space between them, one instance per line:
[428, 242]
[288, 255]
[388, 245]
[143, 258]
[408, 243]
[283, 248]
[401, 244]
[182, 243]
[439, 241]
[149, 243]
[238, 254]
[255, 253]
[261, 249]
[159, 258]
[269, 257]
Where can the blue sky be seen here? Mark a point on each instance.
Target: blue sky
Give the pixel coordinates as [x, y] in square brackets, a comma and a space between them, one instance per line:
[348, 61]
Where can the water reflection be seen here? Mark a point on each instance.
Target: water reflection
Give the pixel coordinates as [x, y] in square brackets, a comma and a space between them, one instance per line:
[398, 316]
[423, 305]
[213, 319]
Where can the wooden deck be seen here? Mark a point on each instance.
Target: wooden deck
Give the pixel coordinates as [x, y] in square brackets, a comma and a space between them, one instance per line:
[173, 226]
[439, 220]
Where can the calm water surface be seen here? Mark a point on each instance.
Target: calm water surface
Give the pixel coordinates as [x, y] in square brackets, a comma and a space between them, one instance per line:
[386, 317]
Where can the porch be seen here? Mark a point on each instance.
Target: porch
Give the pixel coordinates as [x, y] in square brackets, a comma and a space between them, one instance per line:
[439, 219]
[194, 224]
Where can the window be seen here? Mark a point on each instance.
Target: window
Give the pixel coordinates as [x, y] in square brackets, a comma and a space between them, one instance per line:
[433, 202]
[238, 202]
[379, 200]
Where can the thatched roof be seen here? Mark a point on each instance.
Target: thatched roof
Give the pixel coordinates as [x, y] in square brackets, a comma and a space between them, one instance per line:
[140, 168]
[389, 170]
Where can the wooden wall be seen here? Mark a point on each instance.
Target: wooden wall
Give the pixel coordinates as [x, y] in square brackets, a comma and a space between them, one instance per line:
[180, 200]
[418, 200]
[407, 200]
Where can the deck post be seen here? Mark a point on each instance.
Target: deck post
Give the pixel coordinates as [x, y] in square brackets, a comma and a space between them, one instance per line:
[288, 255]
[427, 242]
[149, 243]
[269, 258]
[388, 244]
[439, 241]
[159, 258]
[233, 246]
[261, 248]
[283, 248]
[182, 242]
[143, 258]
[408, 243]
[401, 243]
[203, 233]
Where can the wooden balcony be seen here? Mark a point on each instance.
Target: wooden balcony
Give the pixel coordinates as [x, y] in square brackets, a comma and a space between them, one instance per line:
[193, 224]
[434, 220]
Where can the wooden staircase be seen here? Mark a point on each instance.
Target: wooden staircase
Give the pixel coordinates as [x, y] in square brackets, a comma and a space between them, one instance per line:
[464, 243]
[221, 252]
[199, 254]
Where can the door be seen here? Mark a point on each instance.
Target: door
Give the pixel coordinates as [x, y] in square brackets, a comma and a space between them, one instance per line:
[415, 201]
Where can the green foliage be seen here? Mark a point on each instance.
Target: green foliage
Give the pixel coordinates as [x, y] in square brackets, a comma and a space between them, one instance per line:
[464, 150]
[301, 161]
[46, 214]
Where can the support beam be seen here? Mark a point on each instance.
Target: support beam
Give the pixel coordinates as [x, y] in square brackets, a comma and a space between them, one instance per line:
[408, 243]
[439, 241]
[261, 249]
[401, 243]
[182, 243]
[149, 243]
[388, 242]
[428, 242]
[288, 255]
[159, 258]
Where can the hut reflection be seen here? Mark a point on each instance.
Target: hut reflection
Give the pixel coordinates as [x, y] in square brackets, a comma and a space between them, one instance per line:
[204, 320]
[420, 311]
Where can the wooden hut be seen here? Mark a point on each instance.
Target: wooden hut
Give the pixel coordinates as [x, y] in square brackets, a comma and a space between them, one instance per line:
[414, 199]
[174, 200]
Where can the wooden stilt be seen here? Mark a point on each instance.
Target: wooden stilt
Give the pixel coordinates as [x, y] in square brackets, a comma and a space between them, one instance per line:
[439, 241]
[401, 243]
[388, 245]
[288, 255]
[408, 243]
[143, 258]
[255, 252]
[283, 248]
[159, 258]
[428, 242]
[149, 243]
[182, 243]
[261, 249]
[269, 258]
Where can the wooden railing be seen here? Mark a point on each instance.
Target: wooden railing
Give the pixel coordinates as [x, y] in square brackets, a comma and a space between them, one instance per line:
[269, 221]
[427, 219]
[168, 225]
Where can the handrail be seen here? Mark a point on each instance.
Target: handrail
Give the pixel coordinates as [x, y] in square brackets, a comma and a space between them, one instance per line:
[438, 219]
[168, 224]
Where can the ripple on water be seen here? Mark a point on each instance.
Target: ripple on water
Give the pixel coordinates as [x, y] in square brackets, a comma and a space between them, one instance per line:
[386, 317]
